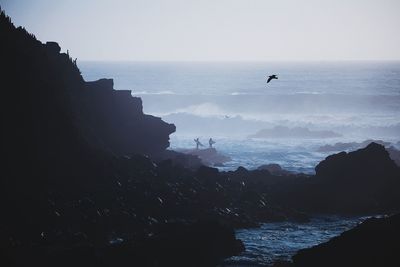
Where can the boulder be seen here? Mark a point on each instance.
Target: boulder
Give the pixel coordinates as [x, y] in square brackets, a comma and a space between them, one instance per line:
[372, 243]
[53, 47]
[274, 169]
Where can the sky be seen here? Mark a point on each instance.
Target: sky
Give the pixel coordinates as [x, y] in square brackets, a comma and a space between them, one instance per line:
[215, 30]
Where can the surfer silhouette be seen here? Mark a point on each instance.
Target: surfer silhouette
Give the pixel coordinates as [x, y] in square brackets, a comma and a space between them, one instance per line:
[211, 142]
[198, 143]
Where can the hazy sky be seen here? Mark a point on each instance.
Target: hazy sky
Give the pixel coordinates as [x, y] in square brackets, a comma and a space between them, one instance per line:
[215, 29]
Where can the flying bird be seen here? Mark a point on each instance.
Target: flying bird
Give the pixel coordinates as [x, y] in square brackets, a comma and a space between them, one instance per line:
[271, 78]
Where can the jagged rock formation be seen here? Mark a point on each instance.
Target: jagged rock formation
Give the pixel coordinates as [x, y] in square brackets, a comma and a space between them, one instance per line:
[394, 154]
[363, 181]
[208, 156]
[71, 198]
[372, 243]
[113, 120]
[48, 102]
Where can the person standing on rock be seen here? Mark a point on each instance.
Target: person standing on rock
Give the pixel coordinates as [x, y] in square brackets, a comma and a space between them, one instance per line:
[198, 143]
[211, 142]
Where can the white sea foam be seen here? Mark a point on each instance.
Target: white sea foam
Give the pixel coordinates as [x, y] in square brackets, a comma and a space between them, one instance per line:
[231, 101]
[153, 93]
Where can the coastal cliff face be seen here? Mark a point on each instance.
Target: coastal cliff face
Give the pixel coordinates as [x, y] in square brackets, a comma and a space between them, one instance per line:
[113, 120]
[71, 199]
[46, 100]
[69, 196]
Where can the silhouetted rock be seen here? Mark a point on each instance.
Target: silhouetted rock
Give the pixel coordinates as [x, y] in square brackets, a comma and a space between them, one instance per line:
[350, 146]
[178, 158]
[394, 154]
[53, 48]
[296, 132]
[208, 156]
[113, 120]
[88, 181]
[199, 244]
[274, 169]
[365, 180]
[372, 243]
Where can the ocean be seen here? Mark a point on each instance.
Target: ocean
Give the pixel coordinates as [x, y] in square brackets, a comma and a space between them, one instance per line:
[281, 240]
[231, 101]
[312, 104]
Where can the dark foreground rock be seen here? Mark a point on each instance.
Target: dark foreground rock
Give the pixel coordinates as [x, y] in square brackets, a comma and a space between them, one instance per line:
[77, 188]
[373, 243]
[394, 154]
[365, 181]
[199, 244]
[360, 181]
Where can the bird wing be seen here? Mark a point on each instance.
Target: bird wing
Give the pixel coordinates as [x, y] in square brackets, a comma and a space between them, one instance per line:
[269, 79]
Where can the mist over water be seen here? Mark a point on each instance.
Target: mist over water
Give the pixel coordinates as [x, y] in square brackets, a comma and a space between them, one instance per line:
[230, 101]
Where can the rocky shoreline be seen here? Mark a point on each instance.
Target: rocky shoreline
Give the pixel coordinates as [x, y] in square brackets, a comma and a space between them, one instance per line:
[88, 180]
[374, 242]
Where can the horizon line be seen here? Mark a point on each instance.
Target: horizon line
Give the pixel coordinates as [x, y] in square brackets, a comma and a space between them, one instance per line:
[240, 61]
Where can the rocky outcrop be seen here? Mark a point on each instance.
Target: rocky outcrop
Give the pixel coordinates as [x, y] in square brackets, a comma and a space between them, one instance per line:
[372, 243]
[365, 180]
[394, 154]
[70, 196]
[113, 120]
[200, 244]
[208, 156]
[350, 146]
[49, 102]
[274, 169]
[53, 48]
[74, 184]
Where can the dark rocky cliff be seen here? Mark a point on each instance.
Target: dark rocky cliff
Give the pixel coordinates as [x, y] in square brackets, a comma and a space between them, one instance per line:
[113, 120]
[67, 194]
[69, 198]
[45, 99]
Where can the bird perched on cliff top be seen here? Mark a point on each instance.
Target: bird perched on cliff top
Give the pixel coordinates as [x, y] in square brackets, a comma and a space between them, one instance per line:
[271, 78]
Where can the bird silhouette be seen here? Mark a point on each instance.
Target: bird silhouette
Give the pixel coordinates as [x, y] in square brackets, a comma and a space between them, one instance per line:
[271, 78]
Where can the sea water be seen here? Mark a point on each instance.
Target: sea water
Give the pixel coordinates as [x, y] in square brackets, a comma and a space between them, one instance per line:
[280, 241]
[230, 101]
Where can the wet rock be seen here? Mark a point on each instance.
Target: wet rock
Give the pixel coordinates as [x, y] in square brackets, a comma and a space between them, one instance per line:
[372, 243]
[359, 181]
[208, 156]
[274, 169]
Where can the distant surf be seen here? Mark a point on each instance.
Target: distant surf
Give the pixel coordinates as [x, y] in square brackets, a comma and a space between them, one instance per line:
[231, 101]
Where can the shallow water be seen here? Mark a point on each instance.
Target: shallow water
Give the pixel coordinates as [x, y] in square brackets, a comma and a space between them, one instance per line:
[281, 240]
[293, 155]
